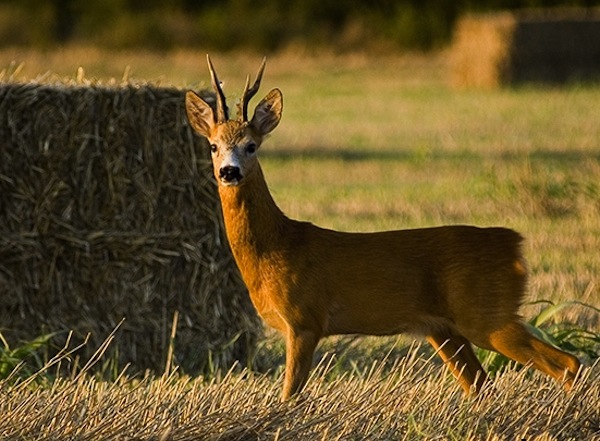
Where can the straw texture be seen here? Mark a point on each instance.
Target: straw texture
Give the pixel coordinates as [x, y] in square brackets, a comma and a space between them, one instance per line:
[108, 210]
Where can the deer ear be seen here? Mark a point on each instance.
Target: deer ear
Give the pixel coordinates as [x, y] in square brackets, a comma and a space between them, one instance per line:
[268, 112]
[200, 114]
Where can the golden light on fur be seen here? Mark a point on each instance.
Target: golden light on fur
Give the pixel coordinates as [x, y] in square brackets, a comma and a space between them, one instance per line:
[455, 285]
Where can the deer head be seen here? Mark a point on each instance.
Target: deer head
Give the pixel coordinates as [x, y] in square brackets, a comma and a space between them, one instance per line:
[234, 142]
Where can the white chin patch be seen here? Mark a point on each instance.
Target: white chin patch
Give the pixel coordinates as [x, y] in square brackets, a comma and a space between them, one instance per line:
[232, 183]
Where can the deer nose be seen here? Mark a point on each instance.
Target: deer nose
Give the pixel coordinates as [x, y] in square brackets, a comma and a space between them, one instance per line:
[230, 174]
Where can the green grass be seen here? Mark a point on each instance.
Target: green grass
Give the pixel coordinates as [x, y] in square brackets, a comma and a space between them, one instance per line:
[369, 143]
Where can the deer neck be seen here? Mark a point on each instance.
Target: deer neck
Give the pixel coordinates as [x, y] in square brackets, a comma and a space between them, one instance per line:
[253, 223]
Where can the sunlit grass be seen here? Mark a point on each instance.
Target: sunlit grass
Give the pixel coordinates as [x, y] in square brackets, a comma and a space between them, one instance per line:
[409, 398]
[370, 143]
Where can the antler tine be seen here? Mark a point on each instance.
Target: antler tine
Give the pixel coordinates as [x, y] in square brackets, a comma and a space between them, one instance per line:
[240, 105]
[221, 106]
[250, 92]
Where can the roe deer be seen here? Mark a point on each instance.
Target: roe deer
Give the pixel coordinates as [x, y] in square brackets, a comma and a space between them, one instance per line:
[456, 285]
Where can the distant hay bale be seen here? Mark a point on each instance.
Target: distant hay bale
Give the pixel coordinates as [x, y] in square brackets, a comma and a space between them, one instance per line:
[107, 211]
[481, 50]
[550, 46]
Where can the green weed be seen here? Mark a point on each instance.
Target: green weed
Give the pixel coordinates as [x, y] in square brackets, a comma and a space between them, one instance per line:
[23, 361]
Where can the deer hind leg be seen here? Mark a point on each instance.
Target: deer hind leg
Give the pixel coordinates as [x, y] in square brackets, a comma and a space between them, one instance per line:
[457, 353]
[300, 347]
[514, 341]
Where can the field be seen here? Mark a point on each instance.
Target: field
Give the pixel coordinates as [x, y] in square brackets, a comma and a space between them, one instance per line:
[367, 143]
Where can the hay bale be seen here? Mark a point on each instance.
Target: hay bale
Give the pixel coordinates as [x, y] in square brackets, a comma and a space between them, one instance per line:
[108, 210]
[480, 50]
[549, 46]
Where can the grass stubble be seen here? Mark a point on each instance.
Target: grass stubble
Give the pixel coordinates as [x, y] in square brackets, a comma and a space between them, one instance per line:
[367, 144]
[410, 399]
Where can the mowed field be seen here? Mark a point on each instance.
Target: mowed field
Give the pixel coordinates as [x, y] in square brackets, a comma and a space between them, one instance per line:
[368, 143]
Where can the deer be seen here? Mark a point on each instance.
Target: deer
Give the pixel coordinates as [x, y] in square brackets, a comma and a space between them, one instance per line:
[455, 285]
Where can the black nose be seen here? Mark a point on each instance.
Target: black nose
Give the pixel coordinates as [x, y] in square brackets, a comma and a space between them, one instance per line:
[230, 173]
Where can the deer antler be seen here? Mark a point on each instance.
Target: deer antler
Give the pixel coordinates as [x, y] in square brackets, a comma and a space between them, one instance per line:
[222, 114]
[250, 92]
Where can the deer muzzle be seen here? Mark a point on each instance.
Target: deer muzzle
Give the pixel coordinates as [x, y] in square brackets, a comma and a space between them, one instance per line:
[230, 175]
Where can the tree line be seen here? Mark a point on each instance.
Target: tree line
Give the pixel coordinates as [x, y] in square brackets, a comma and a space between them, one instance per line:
[259, 24]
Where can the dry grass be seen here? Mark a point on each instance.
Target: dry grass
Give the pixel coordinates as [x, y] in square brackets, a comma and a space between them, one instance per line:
[365, 144]
[413, 400]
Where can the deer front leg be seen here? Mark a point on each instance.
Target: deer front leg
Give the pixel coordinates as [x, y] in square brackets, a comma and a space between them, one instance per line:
[300, 347]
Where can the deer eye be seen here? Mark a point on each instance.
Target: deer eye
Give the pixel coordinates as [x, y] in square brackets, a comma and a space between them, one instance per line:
[251, 148]
[213, 148]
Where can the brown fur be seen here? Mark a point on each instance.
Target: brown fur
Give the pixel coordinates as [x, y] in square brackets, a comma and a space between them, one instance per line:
[456, 285]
